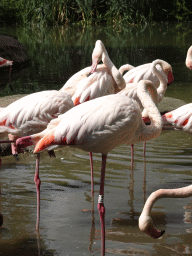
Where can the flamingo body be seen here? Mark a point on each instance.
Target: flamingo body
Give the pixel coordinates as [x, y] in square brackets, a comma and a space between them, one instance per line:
[33, 112]
[180, 118]
[145, 72]
[95, 81]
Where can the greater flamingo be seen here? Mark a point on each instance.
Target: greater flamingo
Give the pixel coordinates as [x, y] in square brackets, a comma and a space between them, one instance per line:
[188, 60]
[153, 73]
[179, 119]
[145, 220]
[5, 63]
[146, 71]
[99, 126]
[95, 81]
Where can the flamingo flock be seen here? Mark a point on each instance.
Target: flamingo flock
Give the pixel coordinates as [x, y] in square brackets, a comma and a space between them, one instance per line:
[97, 110]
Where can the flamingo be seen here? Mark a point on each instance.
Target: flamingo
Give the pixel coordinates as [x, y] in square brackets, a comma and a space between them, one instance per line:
[99, 126]
[146, 71]
[188, 60]
[179, 119]
[145, 220]
[95, 81]
[154, 72]
[5, 63]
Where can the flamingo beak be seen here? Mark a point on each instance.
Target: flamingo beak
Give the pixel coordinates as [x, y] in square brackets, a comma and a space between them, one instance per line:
[94, 66]
[154, 233]
[4, 62]
[170, 78]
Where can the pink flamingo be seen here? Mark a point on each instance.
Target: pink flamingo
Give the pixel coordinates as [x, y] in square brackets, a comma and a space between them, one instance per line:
[188, 60]
[146, 72]
[99, 126]
[154, 72]
[179, 119]
[145, 220]
[95, 81]
[5, 63]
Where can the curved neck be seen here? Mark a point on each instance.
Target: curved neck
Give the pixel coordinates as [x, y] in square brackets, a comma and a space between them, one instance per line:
[163, 82]
[154, 129]
[166, 193]
[125, 67]
[114, 71]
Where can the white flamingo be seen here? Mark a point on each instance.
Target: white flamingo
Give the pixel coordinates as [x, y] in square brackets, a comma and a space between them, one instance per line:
[99, 126]
[145, 220]
[95, 81]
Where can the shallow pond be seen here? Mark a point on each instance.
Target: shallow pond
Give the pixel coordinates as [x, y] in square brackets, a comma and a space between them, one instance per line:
[67, 224]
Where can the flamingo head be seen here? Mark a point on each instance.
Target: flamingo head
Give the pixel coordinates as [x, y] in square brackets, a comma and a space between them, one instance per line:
[168, 71]
[4, 62]
[97, 55]
[146, 225]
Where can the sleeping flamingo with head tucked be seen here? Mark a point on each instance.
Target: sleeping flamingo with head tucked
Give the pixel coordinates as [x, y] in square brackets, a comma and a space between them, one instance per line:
[99, 126]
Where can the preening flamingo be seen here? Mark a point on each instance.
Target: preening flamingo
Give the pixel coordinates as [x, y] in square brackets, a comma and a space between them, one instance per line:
[99, 126]
[145, 220]
[5, 63]
[188, 60]
[95, 81]
[145, 72]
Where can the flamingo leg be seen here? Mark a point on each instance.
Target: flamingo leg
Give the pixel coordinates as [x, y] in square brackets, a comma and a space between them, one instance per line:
[100, 206]
[37, 183]
[144, 148]
[132, 155]
[92, 181]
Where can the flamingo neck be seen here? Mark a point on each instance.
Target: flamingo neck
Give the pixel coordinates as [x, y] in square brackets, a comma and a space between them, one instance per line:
[119, 80]
[154, 129]
[188, 61]
[163, 83]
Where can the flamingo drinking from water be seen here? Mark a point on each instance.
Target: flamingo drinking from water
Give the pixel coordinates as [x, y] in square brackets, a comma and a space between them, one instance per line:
[99, 126]
[145, 220]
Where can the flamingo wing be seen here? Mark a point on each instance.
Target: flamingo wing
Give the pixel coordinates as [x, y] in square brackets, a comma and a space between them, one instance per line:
[33, 112]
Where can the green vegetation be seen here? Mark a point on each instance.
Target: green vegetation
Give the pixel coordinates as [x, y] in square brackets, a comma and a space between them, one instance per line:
[92, 12]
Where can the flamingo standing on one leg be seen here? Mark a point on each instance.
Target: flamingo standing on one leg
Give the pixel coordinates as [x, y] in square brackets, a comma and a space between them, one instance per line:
[145, 220]
[99, 126]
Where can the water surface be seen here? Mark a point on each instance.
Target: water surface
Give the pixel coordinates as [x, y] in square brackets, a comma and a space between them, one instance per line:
[67, 226]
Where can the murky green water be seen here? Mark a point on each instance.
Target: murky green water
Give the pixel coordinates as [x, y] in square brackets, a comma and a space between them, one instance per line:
[67, 227]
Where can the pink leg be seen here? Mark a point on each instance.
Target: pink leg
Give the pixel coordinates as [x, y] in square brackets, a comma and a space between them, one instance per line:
[132, 155]
[92, 181]
[37, 183]
[100, 206]
[144, 148]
